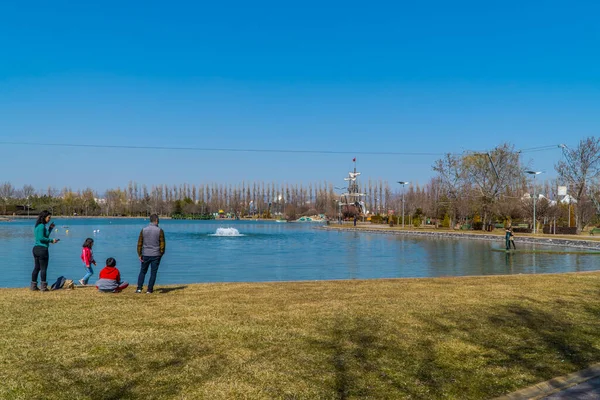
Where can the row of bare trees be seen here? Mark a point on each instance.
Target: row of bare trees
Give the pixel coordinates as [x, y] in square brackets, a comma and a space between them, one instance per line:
[496, 185]
[493, 186]
[243, 199]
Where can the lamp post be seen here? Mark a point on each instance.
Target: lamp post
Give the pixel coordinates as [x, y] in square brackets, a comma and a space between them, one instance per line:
[534, 173]
[403, 183]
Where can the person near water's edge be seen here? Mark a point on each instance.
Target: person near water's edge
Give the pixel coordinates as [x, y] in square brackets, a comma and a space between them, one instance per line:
[509, 238]
[40, 250]
[150, 248]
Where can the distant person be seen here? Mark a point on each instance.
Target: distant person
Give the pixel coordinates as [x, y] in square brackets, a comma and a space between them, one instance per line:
[110, 278]
[509, 238]
[150, 248]
[40, 250]
[355, 219]
[87, 256]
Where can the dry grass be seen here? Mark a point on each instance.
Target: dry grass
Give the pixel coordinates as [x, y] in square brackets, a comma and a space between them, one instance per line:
[463, 338]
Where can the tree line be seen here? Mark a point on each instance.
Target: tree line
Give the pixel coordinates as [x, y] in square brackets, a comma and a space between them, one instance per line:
[490, 187]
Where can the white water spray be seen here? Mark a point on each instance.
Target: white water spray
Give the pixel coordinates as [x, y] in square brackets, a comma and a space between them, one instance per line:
[227, 232]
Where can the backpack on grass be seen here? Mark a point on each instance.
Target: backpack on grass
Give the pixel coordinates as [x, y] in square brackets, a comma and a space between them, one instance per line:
[63, 283]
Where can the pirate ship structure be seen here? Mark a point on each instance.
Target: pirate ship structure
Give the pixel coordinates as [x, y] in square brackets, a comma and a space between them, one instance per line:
[352, 202]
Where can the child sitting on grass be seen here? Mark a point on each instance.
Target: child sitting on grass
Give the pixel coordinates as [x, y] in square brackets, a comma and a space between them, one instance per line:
[110, 278]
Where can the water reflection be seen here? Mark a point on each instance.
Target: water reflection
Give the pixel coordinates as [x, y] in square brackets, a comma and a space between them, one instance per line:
[508, 259]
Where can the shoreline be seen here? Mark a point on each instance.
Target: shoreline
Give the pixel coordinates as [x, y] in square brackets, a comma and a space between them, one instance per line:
[558, 241]
[168, 286]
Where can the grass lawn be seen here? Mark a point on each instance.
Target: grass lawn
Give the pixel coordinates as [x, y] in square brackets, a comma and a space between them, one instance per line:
[446, 338]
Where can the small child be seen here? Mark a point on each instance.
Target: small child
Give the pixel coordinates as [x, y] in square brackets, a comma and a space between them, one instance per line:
[110, 278]
[88, 259]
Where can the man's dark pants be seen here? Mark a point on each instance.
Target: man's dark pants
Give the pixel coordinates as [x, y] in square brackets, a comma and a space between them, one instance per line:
[152, 262]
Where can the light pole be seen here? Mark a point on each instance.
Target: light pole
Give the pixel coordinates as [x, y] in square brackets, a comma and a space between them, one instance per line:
[534, 173]
[403, 183]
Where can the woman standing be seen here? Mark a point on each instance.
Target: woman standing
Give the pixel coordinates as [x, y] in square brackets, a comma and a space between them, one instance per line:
[40, 249]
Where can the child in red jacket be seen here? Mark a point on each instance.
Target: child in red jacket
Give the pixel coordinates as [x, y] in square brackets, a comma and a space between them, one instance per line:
[110, 278]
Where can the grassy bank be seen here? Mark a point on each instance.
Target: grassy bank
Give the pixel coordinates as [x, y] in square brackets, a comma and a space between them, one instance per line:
[463, 338]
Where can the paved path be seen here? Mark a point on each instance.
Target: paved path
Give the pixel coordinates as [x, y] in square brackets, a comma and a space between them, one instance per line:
[584, 385]
[588, 390]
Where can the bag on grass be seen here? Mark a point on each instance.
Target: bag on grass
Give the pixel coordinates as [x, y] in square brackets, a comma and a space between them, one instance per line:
[69, 284]
[60, 282]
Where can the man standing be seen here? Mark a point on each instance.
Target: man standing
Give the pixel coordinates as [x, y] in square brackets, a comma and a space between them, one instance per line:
[150, 248]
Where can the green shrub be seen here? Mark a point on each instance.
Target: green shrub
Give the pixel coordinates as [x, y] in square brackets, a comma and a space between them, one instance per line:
[446, 221]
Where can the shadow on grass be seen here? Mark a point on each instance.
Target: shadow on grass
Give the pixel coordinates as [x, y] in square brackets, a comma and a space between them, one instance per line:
[127, 376]
[538, 333]
[355, 347]
[170, 289]
[351, 339]
[468, 354]
[528, 339]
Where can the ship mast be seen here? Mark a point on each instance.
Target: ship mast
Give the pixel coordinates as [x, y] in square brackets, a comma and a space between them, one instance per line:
[351, 203]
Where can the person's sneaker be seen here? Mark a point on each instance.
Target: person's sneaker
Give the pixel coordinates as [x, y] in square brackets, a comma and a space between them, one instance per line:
[149, 292]
[81, 282]
[139, 291]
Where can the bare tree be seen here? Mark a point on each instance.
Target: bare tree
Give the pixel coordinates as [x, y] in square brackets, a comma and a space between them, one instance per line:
[452, 181]
[492, 174]
[581, 165]
[7, 191]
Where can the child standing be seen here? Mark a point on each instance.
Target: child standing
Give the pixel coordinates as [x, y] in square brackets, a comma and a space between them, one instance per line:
[88, 259]
[110, 278]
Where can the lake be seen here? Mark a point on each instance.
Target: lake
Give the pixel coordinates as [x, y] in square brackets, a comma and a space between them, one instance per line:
[253, 251]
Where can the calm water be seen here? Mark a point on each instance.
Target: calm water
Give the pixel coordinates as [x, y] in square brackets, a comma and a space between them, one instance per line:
[199, 251]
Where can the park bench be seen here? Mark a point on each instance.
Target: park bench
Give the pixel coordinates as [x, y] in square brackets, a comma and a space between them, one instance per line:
[594, 230]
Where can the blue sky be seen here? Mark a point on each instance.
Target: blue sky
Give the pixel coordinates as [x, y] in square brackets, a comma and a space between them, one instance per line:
[348, 78]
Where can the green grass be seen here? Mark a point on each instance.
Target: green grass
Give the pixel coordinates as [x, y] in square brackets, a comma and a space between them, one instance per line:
[443, 338]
